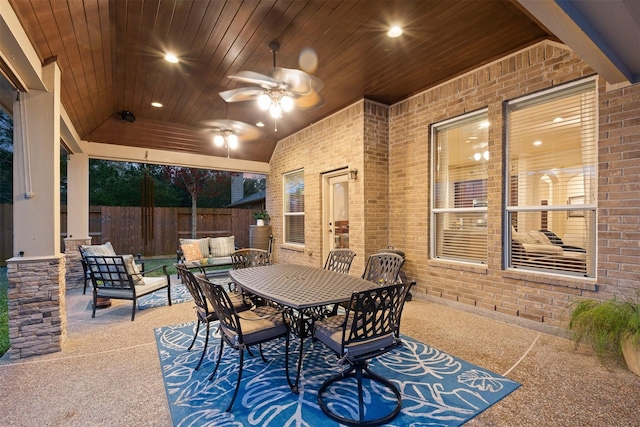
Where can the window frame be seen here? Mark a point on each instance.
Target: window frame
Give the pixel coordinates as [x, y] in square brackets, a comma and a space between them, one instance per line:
[571, 209]
[286, 214]
[477, 115]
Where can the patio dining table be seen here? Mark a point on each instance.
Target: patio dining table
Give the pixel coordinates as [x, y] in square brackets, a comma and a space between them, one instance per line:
[304, 292]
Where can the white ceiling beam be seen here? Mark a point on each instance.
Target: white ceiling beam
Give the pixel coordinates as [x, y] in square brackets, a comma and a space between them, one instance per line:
[123, 153]
[579, 39]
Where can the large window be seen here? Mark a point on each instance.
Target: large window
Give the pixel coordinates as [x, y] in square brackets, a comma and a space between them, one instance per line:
[550, 177]
[294, 207]
[460, 152]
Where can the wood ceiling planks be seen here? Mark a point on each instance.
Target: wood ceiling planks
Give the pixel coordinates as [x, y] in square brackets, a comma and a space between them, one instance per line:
[110, 53]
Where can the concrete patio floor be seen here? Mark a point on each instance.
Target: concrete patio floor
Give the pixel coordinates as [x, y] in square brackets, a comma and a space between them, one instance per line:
[108, 373]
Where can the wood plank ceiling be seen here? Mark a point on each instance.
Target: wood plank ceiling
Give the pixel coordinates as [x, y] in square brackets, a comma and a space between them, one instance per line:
[111, 56]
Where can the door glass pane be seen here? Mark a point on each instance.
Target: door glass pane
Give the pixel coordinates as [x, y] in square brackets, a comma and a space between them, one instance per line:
[340, 192]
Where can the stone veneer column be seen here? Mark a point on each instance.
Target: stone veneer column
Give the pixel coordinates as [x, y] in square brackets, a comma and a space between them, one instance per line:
[36, 273]
[75, 273]
[37, 311]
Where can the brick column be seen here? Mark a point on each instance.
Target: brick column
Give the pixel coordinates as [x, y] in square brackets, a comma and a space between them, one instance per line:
[37, 310]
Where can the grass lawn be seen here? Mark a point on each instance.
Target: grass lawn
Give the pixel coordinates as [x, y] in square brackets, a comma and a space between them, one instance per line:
[150, 264]
[4, 316]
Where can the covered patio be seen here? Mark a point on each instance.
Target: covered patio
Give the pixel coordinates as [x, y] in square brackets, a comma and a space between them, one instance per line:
[66, 368]
[109, 372]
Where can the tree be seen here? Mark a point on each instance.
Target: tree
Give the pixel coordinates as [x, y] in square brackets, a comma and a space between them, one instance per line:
[254, 185]
[199, 183]
[6, 158]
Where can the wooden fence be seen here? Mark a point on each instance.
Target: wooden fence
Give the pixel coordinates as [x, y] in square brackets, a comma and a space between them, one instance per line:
[122, 226]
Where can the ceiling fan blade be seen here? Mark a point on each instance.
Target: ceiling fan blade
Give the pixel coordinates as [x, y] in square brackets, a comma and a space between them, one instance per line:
[241, 94]
[249, 133]
[296, 81]
[252, 77]
[244, 131]
[309, 101]
[316, 83]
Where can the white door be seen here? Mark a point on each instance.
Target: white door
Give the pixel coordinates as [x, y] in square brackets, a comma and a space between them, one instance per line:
[335, 212]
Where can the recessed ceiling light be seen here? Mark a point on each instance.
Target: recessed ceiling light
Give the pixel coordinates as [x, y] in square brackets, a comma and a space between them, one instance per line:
[394, 31]
[473, 137]
[170, 57]
[484, 124]
[558, 120]
[156, 104]
[537, 142]
[260, 124]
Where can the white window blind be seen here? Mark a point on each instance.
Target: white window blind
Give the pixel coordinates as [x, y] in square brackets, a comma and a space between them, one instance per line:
[551, 180]
[460, 153]
[294, 207]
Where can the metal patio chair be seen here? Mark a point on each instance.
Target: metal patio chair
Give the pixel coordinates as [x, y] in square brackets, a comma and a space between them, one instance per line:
[245, 329]
[367, 330]
[204, 310]
[339, 260]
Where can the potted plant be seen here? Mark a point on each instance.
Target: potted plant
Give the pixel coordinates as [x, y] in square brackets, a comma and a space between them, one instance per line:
[612, 328]
[261, 217]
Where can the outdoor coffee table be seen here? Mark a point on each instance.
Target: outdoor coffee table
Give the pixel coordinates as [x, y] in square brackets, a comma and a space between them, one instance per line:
[304, 292]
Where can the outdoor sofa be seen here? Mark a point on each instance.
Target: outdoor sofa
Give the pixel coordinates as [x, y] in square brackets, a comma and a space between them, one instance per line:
[206, 253]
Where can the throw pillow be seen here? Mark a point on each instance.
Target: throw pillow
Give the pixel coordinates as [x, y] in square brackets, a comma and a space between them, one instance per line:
[191, 252]
[222, 246]
[203, 244]
[132, 270]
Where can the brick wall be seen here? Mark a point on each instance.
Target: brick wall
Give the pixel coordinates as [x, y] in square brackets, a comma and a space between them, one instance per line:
[619, 191]
[533, 296]
[333, 143]
[375, 179]
[389, 202]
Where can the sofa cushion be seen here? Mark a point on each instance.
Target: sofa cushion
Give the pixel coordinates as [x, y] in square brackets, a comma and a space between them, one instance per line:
[191, 252]
[536, 249]
[522, 238]
[202, 243]
[539, 237]
[222, 246]
[102, 250]
[220, 260]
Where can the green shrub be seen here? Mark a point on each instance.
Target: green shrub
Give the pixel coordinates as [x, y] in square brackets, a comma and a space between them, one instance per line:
[604, 324]
[4, 315]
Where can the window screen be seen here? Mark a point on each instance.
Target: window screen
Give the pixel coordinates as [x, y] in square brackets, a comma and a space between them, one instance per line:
[551, 180]
[460, 152]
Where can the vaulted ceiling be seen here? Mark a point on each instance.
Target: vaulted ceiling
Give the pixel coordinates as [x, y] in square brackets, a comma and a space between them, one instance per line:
[111, 57]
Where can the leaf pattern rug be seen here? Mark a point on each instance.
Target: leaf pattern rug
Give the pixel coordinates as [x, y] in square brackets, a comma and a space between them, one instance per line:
[437, 389]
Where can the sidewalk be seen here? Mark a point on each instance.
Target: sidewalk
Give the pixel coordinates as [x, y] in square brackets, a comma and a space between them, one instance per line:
[108, 373]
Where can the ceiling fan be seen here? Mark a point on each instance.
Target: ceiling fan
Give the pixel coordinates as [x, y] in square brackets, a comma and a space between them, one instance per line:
[228, 133]
[281, 90]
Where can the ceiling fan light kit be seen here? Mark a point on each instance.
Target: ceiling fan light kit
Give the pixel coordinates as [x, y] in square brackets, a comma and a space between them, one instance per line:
[229, 133]
[282, 90]
[226, 136]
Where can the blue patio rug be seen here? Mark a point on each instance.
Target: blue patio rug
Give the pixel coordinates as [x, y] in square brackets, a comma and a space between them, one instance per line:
[437, 389]
[179, 293]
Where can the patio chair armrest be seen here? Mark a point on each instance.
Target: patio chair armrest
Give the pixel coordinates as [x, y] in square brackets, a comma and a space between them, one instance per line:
[163, 267]
[139, 261]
